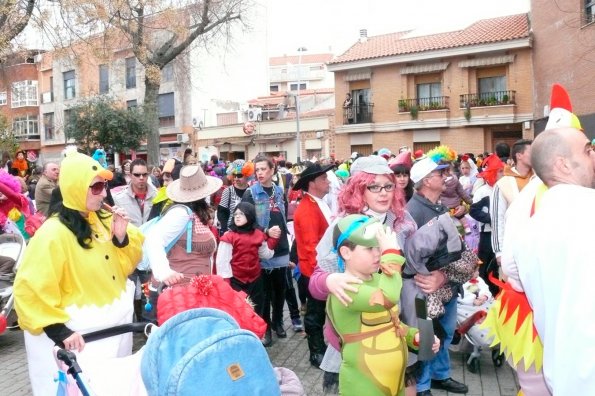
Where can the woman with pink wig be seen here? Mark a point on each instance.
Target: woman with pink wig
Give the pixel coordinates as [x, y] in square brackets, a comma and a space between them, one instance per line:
[371, 190]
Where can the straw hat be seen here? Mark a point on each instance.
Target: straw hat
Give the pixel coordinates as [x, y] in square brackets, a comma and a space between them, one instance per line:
[192, 185]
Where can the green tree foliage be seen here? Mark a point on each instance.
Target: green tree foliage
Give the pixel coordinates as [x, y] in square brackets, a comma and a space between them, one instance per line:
[8, 142]
[101, 120]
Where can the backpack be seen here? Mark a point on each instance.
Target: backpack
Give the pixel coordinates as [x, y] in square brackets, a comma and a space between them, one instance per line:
[203, 351]
[146, 228]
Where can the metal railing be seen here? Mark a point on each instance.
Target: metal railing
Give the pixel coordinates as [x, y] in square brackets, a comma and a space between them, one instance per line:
[359, 114]
[496, 98]
[424, 104]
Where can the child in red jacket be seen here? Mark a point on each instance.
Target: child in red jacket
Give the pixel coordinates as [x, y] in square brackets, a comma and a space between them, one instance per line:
[240, 250]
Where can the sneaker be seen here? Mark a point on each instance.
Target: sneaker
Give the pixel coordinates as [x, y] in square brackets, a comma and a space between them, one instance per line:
[297, 325]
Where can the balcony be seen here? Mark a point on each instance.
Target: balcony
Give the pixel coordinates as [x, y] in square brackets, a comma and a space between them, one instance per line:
[423, 113]
[360, 114]
[423, 104]
[496, 98]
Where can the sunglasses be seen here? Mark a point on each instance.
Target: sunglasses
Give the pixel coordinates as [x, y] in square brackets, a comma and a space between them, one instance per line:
[238, 175]
[139, 175]
[98, 188]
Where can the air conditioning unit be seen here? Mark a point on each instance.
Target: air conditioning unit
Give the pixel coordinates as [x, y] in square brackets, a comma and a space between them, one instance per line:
[47, 97]
[182, 138]
[254, 114]
[319, 135]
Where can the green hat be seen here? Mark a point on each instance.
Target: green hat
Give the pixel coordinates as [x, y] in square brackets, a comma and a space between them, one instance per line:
[357, 229]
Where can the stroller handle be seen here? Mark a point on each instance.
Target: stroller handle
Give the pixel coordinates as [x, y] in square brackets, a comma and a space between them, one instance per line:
[138, 327]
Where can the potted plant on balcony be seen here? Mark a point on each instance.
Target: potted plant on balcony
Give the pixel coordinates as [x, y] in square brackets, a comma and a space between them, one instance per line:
[505, 99]
[467, 112]
[403, 105]
[414, 110]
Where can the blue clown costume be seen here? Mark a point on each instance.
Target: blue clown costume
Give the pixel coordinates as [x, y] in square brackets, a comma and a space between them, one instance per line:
[61, 283]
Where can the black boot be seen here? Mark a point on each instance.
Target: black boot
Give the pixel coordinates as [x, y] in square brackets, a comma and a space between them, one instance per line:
[267, 341]
[138, 310]
[317, 348]
[330, 383]
[280, 330]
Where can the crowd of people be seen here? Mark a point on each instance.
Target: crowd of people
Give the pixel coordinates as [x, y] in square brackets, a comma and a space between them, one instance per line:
[363, 239]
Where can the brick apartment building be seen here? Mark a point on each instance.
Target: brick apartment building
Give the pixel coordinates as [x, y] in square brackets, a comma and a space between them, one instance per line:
[563, 52]
[467, 89]
[19, 98]
[78, 73]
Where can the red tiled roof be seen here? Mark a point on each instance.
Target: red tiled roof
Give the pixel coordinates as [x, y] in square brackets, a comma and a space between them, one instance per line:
[294, 59]
[485, 31]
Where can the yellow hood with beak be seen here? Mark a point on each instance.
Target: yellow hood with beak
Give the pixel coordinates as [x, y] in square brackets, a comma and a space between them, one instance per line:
[77, 172]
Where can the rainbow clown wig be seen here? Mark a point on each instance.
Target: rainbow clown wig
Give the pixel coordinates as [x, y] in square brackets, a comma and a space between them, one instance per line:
[240, 166]
[442, 154]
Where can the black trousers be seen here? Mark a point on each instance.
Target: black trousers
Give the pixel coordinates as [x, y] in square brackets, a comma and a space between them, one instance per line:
[254, 290]
[314, 319]
[487, 256]
[274, 281]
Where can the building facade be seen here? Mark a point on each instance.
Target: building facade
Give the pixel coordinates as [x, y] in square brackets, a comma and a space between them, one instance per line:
[19, 98]
[67, 77]
[467, 89]
[276, 115]
[563, 53]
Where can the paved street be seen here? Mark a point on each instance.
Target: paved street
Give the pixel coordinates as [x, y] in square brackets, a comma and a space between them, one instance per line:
[291, 352]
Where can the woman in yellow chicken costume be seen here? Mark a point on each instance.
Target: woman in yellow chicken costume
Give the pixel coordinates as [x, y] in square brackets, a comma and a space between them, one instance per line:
[74, 275]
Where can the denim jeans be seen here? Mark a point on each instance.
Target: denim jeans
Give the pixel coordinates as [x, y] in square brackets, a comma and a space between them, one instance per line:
[439, 367]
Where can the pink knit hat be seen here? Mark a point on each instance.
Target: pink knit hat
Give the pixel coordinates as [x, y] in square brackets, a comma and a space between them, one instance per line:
[403, 158]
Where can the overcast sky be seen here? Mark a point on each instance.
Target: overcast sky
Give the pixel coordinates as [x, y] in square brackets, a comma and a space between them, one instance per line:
[333, 25]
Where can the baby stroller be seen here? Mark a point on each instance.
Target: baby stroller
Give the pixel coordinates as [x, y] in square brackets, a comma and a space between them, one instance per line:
[471, 338]
[12, 248]
[192, 347]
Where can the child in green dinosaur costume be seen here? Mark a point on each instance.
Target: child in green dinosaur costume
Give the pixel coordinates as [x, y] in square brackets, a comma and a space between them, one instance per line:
[374, 341]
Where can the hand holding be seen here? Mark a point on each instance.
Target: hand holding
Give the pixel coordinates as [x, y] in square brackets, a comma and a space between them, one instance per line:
[339, 283]
[459, 211]
[431, 282]
[275, 232]
[173, 278]
[119, 223]
[74, 342]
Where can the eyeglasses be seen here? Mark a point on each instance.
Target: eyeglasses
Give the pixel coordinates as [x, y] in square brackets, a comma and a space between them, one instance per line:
[376, 189]
[139, 175]
[98, 188]
[238, 175]
[437, 173]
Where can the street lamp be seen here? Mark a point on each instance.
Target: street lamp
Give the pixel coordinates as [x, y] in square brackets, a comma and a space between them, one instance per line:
[297, 105]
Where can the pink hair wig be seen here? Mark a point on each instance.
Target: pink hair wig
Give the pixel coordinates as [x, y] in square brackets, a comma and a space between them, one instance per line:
[10, 181]
[351, 196]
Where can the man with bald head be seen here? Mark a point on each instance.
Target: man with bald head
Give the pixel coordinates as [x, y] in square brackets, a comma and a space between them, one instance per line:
[46, 184]
[554, 256]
